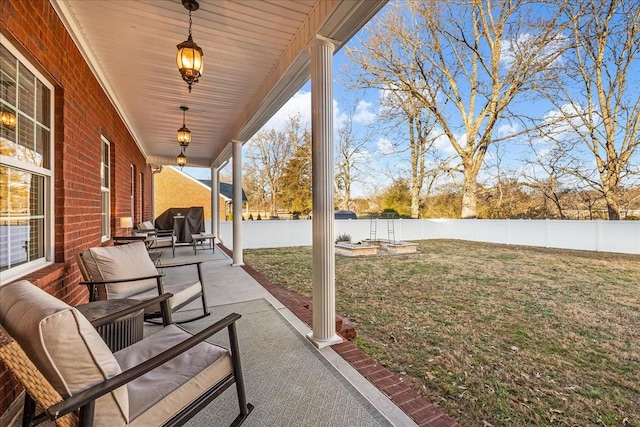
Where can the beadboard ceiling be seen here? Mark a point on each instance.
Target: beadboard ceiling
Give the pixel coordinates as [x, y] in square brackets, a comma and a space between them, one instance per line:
[255, 59]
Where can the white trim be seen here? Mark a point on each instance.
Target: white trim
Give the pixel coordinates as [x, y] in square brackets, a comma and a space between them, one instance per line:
[107, 189]
[190, 177]
[13, 273]
[74, 31]
[132, 193]
[199, 182]
[140, 200]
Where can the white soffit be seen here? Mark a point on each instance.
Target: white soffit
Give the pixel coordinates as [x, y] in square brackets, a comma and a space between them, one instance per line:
[254, 53]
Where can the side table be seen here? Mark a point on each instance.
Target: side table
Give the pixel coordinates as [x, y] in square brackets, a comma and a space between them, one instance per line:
[195, 238]
[122, 332]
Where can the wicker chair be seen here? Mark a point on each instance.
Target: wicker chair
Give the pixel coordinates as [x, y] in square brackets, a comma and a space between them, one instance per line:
[164, 379]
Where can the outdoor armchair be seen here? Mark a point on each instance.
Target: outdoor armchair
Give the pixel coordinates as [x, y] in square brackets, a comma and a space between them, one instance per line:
[127, 271]
[158, 238]
[65, 366]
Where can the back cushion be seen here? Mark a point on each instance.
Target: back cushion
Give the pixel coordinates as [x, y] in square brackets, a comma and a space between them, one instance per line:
[63, 345]
[146, 225]
[120, 262]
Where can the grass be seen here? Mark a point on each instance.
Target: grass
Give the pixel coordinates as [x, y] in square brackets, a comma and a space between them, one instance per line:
[504, 335]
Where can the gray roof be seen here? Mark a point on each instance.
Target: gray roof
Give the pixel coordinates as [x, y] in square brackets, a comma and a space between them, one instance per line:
[226, 189]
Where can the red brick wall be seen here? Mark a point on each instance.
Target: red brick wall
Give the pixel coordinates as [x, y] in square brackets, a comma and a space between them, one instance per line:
[83, 113]
[191, 193]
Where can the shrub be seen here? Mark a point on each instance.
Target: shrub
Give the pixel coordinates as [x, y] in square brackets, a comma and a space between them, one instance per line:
[343, 238]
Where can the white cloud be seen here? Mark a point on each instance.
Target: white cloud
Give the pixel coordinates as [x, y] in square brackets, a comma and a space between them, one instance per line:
[565, 123]
[384, 146]
[300, 103]
[507, 129]
[526, 44]
[441, 142]
[363, 113]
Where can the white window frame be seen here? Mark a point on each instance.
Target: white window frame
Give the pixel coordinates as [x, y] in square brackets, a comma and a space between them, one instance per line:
[132, 196]
[48, 174]
[105, 211]
[140, 196]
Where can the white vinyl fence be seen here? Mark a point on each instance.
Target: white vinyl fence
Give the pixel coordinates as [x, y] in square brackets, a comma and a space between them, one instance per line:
[603, 236]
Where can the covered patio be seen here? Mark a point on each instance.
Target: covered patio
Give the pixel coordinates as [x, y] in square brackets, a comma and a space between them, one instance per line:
[96, 101]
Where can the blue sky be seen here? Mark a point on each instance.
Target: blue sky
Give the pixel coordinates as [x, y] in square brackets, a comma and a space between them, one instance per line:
[364, 117]
[382, 161]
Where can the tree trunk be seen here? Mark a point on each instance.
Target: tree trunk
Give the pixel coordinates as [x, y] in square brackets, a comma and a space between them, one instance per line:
[469, 194]
[346, 196]
[273, 202]
[468, 203]
[611, 187]
[613, 208]
[415, 201]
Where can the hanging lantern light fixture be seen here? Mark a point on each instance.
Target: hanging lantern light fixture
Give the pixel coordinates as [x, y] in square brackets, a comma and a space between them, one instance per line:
[189, 56]
[184, 134]
[181, 159]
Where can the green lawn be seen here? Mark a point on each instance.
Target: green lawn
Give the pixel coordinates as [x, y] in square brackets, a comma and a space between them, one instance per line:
[505, 335]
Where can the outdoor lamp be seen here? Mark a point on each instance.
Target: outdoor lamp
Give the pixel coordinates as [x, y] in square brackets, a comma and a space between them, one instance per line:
[181, 160]
[189, 56]
[126, 222]
[184, 134]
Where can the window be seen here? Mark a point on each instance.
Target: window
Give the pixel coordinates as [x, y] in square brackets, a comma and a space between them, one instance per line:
[26, 167]
[105, 188]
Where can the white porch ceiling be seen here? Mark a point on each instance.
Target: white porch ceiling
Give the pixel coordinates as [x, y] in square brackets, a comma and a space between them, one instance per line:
[254, 54]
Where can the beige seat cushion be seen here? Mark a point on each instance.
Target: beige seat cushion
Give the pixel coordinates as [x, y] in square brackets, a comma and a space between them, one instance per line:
[120, 262]
[182, 292]
[158, 395]
[63, 345]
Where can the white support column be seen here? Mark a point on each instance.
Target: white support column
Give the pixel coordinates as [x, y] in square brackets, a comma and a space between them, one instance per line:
[324, 286]
[215, 207]
[225, 208]
[237, 203]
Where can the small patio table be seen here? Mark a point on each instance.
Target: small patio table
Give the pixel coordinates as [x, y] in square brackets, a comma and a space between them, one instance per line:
[122, 332]
[201, 237]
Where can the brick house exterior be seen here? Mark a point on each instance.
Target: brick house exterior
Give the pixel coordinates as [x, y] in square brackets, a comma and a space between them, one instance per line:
[192, 192]
[83, 115]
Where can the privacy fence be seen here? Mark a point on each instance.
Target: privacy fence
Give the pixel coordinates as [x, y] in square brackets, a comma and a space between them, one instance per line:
[602, 236]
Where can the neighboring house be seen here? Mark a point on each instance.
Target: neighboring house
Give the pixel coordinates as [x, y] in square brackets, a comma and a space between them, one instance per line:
[176, 189]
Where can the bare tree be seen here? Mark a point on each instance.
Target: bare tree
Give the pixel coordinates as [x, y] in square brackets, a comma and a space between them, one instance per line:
[466, 63]
[504, 196]
[598, 104]
[351, 157]
[268, 153]
[255, 187]
[550, 172]
[404, 110]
